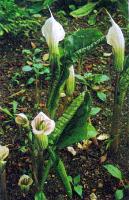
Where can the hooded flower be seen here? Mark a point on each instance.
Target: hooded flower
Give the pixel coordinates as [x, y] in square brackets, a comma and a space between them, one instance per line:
[115, 38]
[25, 182]
[53, 33]
[22, 120]
[42, 126]
[70, 82]
[4, 152]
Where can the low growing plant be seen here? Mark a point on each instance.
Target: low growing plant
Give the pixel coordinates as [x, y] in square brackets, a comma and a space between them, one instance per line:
[123, 183]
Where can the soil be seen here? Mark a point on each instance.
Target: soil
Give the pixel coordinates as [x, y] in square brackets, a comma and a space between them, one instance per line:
[94, 178]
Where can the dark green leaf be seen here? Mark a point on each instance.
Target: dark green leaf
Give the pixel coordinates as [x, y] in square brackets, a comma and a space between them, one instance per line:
[40, 196]
[78, 42]
[78, 190]
[100, 78]
[92, 20]
[119, 194]
[70, 179]
[77, 135]
[84, 10]
[30, 80]
[78, 128]
[114, 171]
[102, 96]
[6, 111]
[26, 68]
[65, 118]
[64, 177]
[94, 111]
[76, 180]
[15, 104]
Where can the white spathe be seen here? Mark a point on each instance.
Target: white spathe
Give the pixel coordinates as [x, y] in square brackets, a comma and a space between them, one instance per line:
[4, 152]
[70, 82]
[42, 124]
[22, 119]
[116, 39]
[53, 32]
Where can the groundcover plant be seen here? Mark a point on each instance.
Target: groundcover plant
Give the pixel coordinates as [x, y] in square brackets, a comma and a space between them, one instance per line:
[65, 123]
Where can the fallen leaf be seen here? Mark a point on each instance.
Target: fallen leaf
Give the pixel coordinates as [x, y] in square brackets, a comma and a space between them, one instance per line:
[72, 151]
[93, 196]
[103, 136]
[33, 45]
[103, 158]
[84, 145]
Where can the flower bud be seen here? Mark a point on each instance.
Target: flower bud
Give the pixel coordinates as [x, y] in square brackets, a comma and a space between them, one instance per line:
[70, 82]
[25, 182]
[115, 38]
[4, 152]
[22, 120]
[42, 126]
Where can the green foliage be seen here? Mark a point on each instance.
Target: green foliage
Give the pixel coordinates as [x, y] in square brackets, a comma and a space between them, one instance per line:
[95, 110]
[119, 194]
[123, 86]
[80, 42]
[14, 19]
[123, 7]
[72, 47]
[77, 134]
[78, 128]
[76, 185]
[84, 10]
[65, 118]
[102, 96]
[114, 171]
[38, 6]
[40, 196]
[92, 81]
[34, 65]
[63, 176]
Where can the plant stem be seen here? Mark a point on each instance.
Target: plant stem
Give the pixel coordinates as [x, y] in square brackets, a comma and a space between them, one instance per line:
[37, 92]
[115, 126]
[3, 191]
[127, 131]
[46, 173]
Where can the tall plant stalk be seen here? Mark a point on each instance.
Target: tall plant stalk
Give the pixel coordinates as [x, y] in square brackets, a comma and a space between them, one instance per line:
[3, 191]
[115, 125]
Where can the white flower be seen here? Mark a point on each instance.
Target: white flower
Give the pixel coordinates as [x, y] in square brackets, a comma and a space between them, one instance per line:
[42, 124]
[22, 119]
[4, 152]
[53, 32]
[115, 38]
[70, 82]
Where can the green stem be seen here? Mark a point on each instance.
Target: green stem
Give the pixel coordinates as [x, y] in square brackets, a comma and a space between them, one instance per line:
[46, 173]
[115, 126]
[33, 158]
[37, 92]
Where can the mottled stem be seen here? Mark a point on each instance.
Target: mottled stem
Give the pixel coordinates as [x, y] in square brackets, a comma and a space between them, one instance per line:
[3, 191]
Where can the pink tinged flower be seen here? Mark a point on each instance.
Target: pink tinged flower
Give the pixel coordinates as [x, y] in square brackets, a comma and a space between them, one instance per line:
[42, 124]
